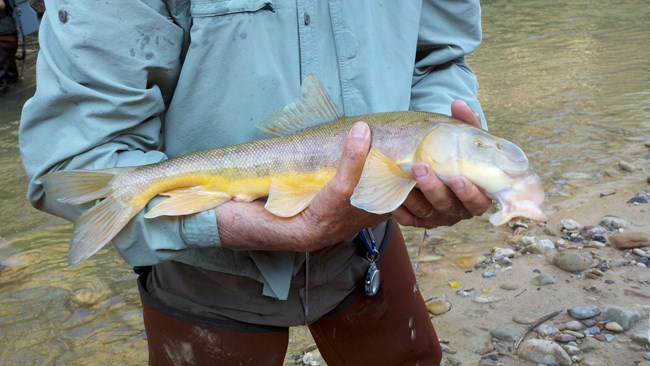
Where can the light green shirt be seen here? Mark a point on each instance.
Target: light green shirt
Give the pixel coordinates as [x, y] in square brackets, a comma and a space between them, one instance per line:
[134, 82]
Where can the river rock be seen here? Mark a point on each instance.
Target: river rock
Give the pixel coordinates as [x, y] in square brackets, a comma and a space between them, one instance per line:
[572, 350]
[626, 318]
[613, 223]
[591, 230]
[570, 225]
[627, 166]
[614, 327]
[573, 261]
[505, 334]
[543, 351]
[500, 253]
[629, 240]
[564, 338]
[546, 330]
[543, 279]
[573, 325]
[438, 307]
[521, 319]
[640, 197]
[584, 312]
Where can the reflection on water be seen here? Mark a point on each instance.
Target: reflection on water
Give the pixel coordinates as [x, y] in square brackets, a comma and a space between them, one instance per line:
[567, 81]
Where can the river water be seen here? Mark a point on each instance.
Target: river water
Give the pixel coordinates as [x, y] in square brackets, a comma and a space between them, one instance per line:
[569, 82]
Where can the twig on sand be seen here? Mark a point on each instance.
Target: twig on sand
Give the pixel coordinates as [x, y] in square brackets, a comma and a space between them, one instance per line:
[535, 325]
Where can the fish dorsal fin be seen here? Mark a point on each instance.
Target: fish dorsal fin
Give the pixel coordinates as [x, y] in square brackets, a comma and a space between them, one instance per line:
[312, 108]
[188, 200]
[384, 184]
[289, 196]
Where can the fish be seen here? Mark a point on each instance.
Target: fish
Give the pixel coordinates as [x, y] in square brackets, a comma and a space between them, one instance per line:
[290, 168]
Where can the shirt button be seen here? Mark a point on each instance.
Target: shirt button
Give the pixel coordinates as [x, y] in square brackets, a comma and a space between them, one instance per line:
[307, 19]
[63, 16]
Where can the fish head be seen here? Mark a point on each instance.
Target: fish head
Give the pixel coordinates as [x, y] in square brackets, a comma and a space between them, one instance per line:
[497, 166]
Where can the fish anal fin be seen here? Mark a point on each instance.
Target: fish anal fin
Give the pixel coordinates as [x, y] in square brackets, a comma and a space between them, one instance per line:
[312, 107]
[290, 195]
[384, 184]
[187, 200]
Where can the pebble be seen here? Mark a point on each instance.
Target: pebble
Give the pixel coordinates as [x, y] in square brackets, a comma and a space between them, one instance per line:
[627, 166]
[489, 274]
[480, 299]
[505, 334]
[647, 356]
[575, 334]
[640, 197]
[626, 318]
[613, 223]
[572, 350]
[544, 352]
[570, 225]
[597, 244]
[640, 252]
[589, 322]
[629, 240]
[573, 261]
[509, 287]
[564, 338]
[573, 325]
[521, 319]
[500, 253]
[546, 330]
[438, 307]
[610, 338]
[591, 331]
[584, 312]
[528, 240]
[543, 279]
[591, 230]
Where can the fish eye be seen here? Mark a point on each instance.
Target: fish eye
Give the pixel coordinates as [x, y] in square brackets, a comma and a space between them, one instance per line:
[480, 144]
[499, 146]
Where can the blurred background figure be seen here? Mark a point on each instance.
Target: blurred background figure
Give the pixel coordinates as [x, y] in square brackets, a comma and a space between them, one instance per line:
[8, 46]
[17, 20]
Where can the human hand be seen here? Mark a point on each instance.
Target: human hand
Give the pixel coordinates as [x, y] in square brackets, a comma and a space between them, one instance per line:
[435, 204]
[329, 219]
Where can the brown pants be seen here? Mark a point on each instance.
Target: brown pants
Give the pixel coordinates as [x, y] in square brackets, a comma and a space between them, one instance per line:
[391, 328]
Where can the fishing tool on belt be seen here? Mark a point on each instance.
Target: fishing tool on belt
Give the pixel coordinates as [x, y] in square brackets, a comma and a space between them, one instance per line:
[372, 281]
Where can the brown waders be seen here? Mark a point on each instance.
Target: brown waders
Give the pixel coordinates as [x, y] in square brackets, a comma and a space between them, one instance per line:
[390, 328]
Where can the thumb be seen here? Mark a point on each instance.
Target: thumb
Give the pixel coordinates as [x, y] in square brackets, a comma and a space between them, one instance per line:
[353, 158]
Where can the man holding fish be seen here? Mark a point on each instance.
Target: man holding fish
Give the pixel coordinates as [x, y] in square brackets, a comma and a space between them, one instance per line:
[224, 271]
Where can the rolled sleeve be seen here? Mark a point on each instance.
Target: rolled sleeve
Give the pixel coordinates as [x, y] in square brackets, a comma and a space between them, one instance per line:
[106, 75]
[449, 30]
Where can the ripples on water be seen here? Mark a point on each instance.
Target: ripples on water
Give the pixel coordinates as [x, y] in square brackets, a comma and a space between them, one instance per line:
[567, 81]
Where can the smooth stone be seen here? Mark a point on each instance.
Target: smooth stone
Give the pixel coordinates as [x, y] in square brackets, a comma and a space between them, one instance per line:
[544, 352]
[575, 334]
[546, 245]
[546, 330]
[573, 261]
[487, 299]
[613, 223]
[564, 337]
[573, 325]
[489, 274]
[543, 279]
[500, 253]
[591, 230]
[640, 252]
[570, 225]
[591, 330]
[528, 240]
[629, 240]
[521, 319]
[647, 356]
[572, 350]
[614, 327]
[509, 286]
[640, 197]
[584, 312]
[589, 322]
[626, 318]
[627, 166]
[609, 338]
[438, 307]
[505, 334]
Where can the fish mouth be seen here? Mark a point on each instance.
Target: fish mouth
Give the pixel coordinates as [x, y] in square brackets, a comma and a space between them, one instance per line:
[521, 209]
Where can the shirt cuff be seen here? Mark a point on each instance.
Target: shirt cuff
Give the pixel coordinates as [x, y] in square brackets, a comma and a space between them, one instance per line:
[200, 230]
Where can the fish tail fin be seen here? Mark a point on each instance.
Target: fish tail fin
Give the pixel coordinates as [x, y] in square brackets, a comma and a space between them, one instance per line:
[97, 226]
[79, 186]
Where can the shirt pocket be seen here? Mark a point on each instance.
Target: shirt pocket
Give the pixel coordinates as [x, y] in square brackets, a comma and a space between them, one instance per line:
[210, 8]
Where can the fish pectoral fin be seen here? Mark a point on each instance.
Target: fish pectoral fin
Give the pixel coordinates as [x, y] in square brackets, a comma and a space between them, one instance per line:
[312, 107]
[188, 200]
[288, 197]
[384, 184]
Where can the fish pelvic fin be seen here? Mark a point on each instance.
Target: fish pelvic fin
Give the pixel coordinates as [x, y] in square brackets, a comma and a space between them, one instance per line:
[187, 200]
[384, 184]
[288, 197]
[311, 108]
[79, 186]
[97, 226]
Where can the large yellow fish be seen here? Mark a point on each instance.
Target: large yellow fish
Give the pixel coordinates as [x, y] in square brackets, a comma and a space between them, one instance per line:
[292, 168]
